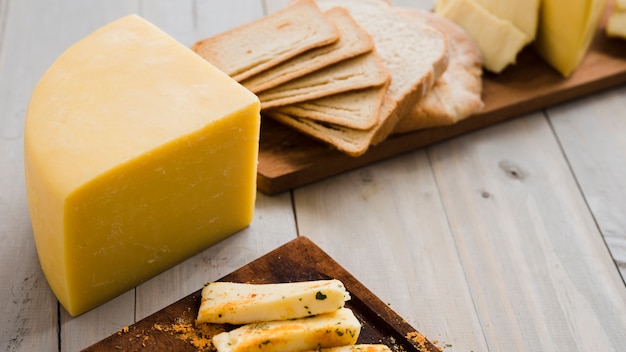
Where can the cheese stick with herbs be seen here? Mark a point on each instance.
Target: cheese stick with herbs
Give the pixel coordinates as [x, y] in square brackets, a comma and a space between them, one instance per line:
[339, 328]
[239, 303]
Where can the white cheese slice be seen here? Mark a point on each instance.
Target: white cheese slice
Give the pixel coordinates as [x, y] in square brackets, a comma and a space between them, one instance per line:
[356, 348]
[238, 303]
[339, 328]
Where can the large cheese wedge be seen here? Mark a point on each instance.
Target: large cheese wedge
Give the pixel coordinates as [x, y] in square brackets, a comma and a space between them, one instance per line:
[240, 303]
[339, 328]
[138, 154]
[499, 40]
[566, 28]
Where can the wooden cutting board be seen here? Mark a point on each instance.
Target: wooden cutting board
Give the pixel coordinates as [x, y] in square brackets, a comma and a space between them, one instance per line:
[288, 159]
[173, 328]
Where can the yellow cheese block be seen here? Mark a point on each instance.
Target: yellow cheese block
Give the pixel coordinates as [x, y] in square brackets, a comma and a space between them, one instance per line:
[138, 154]
[566, 28]
[522, 14]
[240, 303]
[499, 40]
[334, 329]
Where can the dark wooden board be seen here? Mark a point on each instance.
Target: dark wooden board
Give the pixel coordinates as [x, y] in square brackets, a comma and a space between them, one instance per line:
[172, 328]
[288, 159]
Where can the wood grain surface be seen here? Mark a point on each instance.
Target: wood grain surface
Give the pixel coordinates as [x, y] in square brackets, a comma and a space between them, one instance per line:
[511, 237]
[173, 327]
[289, 159]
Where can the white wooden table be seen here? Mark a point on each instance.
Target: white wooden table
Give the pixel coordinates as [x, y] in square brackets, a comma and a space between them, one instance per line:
[512, 238]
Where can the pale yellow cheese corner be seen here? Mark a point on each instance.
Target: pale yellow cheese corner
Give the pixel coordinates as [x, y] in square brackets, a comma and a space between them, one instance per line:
[566, 29]
[616, 23]
[498, 39]
[138, 154]
[522, 14]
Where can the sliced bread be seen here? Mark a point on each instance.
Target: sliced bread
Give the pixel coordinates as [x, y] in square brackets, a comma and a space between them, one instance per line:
[457, 93]
[245, 50]
[363, 71]
[358, 109]
[353, 41]
[415, 54]
[349, 141]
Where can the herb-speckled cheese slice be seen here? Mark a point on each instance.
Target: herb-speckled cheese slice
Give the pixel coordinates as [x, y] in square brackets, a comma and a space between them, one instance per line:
[138, 154]
[239, 303]
[355, 348]
[339, 328]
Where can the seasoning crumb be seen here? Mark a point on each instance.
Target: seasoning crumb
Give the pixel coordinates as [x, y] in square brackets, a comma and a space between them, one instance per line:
[419, 340]
[198, 335]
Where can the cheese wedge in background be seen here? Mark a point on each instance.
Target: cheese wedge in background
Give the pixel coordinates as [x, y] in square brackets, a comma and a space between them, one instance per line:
[566, 29]
[138, 154]
[522, 14]
[498, 39]
[240, 303]
[339, 328]
[616, 23]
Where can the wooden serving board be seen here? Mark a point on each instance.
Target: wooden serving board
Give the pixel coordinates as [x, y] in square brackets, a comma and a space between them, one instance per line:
[288, 159]
[173, 328]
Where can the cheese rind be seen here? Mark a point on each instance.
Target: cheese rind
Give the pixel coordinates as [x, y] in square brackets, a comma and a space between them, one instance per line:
[339, 328]
[566, 29]
[238, 303]
[138, 154]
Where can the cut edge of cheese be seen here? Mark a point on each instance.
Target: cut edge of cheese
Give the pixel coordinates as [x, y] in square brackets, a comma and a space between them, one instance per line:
[138, 154]
[240, 303]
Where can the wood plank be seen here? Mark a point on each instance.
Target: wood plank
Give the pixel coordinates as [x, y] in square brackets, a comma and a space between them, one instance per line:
[32, 37]
[65, 23]
[298, 260]
[385, 223]
[591, 135]
[538, 270]
[289, 159]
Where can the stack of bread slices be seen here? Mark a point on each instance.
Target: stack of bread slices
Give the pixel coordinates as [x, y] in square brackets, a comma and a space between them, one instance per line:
[352, 72]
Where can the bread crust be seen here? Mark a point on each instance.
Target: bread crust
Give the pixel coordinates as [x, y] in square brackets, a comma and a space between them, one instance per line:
[456, 95]
[360, 72]
[245, 51]
[353, 41]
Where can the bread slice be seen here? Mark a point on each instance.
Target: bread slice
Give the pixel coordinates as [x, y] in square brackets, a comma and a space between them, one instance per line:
[457, 93]
[363, 71]
[353, 41]
[415, 54]
[415, 62]
[347, 140]
[246, 50]
[358, 109]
